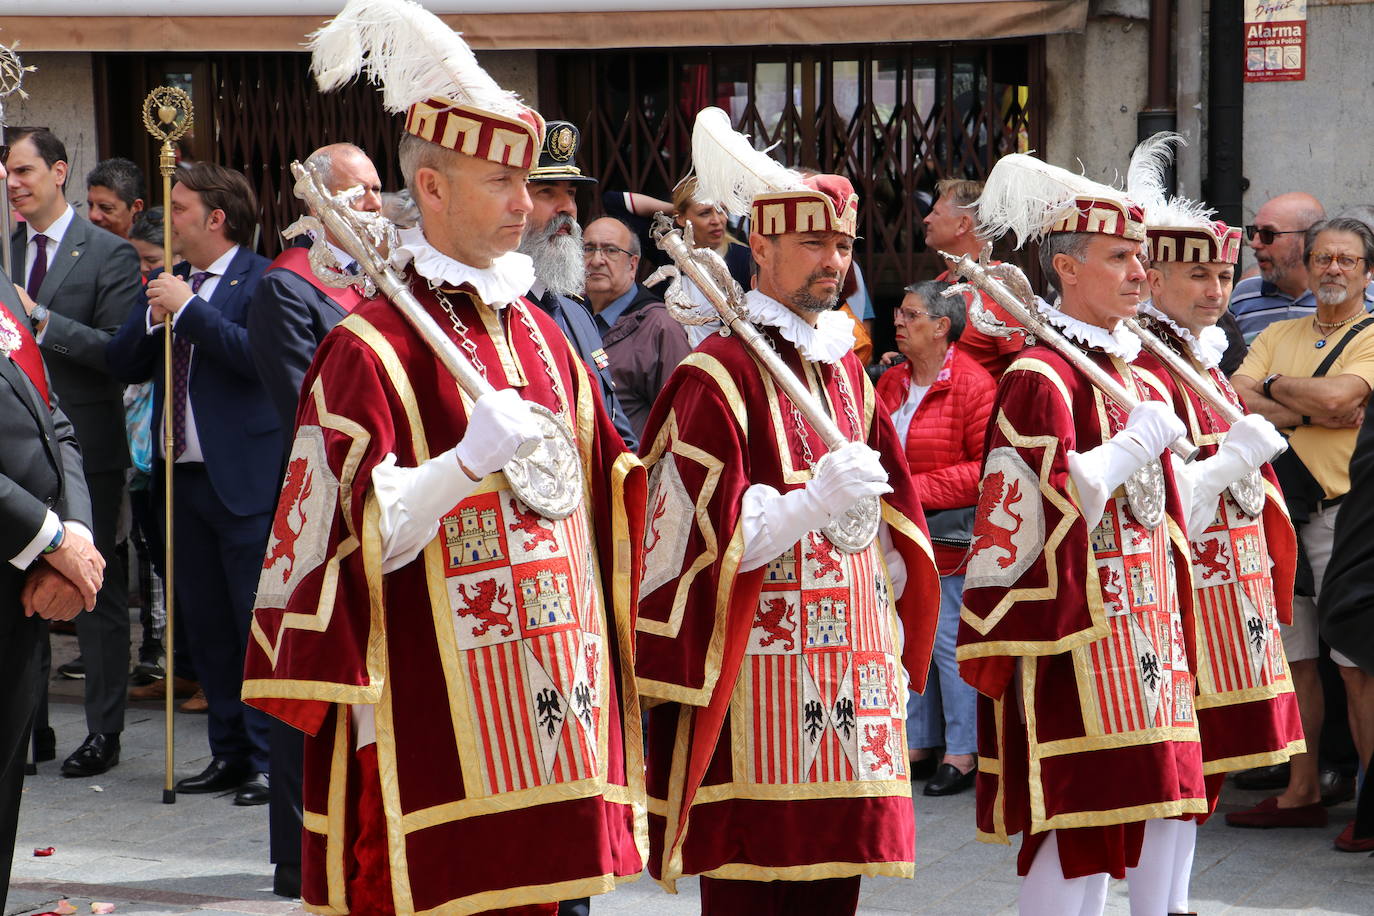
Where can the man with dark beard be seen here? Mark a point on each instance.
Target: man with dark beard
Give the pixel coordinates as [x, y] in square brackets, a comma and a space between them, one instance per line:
[553, 240]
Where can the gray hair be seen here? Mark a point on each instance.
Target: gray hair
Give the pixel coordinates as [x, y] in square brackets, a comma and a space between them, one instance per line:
[938, 305]
[635, 247]
[1073, 244]
[415, 153]
[323, 159]
[1355, 227]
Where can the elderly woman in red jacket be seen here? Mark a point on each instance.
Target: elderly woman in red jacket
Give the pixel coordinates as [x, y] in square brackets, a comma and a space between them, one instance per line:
[940, 400]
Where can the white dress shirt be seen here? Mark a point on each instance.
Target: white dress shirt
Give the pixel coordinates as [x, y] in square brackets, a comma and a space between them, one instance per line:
[216, 270]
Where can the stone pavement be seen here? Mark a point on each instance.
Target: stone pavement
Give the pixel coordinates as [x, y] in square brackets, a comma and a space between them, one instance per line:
[123, 846]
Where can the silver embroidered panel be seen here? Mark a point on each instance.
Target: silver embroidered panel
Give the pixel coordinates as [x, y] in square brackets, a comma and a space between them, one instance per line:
[856, 529]
[1145, 494]
[548, 479]
[1248, 492]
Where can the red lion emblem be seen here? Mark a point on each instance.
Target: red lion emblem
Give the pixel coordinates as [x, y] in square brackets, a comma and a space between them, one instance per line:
[531, 524]
[481, 604]
[822, 553]
[986, 534]
[776, 621]
[1111, 588]
[875, 742]
[1212, 555]
[589, 660]
[1139, 534]
[659, 511]
[295, 491]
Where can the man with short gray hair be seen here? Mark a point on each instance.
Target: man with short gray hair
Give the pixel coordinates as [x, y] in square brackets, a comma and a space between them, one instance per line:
[642, 341]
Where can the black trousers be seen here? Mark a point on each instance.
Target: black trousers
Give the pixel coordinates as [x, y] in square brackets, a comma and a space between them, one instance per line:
[20, 638]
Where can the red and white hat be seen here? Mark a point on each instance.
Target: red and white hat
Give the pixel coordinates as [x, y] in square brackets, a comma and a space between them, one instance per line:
[1178, 229]
[427, 71]
[778, 200]
[1033, 199]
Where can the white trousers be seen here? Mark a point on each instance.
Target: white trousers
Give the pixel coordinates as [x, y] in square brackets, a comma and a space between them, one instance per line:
[1159, 884]
[1046, 892]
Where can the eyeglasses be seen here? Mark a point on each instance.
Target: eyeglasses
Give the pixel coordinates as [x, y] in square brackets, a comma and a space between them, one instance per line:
[609, 252]
[1322, 260]
[1266, 235]
[906, 316]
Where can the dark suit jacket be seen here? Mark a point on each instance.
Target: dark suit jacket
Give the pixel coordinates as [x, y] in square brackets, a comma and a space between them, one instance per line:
[89, 290]
[287, 319]
[1346, 608]
[239, 431]
[575, 321]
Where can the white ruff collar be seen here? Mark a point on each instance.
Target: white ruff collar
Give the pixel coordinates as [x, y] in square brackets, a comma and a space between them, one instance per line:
[827, 342]
[1119, 342]
[1207, 347]
[508, 278]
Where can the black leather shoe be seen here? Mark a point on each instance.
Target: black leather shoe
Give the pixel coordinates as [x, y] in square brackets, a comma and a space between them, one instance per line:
[949, 781]
[1336, 787]
[44, 744]
[255, 791]
[924, 768]
[220, 776]
[286, 881]
[95, 755]
[1263, 779]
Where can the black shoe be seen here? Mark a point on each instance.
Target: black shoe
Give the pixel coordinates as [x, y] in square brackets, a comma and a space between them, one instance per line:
[95, 755]
[220, 776]
[1335, 787]
[286, 881]
[74, 670]
[949, 781]
[44, 744]
[924, 768]
[1263, 779]
[256, 791]
[145, 673]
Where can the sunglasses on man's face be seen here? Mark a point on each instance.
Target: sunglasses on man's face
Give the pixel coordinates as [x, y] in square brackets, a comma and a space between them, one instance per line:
[1267, 235]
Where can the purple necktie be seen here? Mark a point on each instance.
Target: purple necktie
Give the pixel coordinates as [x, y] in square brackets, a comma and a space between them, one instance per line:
[40, 266]
[181, 365]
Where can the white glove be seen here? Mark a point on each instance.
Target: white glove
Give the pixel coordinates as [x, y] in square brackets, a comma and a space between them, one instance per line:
[774, 521]
[850, 473]
[412, 500]
[1150, 428]
[1098, 472]
[501, 426]
[1254, 440]
[1251, 442]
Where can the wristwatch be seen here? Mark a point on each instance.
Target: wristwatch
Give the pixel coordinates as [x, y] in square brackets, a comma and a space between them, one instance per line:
[1269, 383]
[57, 539]
[38, 316]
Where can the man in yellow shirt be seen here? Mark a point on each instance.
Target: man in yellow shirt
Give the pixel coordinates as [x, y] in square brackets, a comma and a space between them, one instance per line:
[1320, 412]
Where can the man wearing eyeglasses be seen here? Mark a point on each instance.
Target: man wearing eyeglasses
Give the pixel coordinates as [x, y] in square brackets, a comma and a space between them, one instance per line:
[1280, 291]
[643, 342]
[1290, 378]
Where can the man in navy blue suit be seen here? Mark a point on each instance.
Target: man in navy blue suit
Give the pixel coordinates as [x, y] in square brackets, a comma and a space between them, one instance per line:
[289, 315]
[227, 453]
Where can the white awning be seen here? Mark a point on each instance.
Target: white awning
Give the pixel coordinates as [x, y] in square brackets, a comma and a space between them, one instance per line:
[249, 25]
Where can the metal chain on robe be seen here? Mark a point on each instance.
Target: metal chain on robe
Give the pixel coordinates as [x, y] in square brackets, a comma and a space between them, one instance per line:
[544, 355]
[460, 329]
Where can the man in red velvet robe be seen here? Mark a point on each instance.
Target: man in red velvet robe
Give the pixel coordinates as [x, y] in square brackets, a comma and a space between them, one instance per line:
[1078, 597]
[777, 754]
[462, 666]
[1244, 550]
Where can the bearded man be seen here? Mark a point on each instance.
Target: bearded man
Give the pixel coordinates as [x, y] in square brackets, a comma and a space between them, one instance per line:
[553, 241]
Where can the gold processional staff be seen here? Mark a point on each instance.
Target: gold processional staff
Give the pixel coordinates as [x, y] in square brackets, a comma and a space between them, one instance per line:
[167, 116]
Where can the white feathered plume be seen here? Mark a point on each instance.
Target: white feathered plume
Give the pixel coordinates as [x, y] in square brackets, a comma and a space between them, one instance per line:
[1025, 196]
[729, 171]
[406, 50]
[1145, 183]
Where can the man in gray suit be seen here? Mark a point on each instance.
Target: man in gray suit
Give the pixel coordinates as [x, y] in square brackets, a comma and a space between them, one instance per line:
[80, 283]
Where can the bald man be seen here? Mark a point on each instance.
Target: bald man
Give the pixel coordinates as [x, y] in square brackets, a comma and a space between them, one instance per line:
[291, 312]
[1280, 291]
